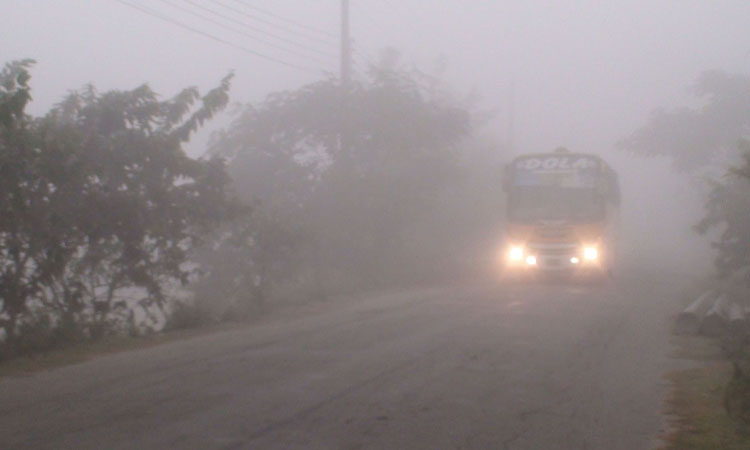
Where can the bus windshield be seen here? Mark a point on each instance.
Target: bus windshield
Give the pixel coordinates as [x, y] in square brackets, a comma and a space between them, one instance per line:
[554, 203]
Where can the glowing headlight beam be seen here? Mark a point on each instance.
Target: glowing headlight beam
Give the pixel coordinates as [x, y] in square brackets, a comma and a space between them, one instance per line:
[590, 253]
[531, 260]
[516, 253]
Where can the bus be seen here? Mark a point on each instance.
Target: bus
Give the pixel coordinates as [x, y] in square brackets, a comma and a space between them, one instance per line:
[562, 214]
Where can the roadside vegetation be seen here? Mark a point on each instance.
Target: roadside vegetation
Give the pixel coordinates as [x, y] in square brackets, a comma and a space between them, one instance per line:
[100, 209]
[698, 402]
[710, 145]
[697, 405]
[109, 229]
[379, 185]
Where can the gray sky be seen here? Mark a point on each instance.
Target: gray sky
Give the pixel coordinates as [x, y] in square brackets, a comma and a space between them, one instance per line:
[586, 73]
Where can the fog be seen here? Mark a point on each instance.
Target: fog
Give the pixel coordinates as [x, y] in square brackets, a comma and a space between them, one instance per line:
[535, 75]
[585, 73]
[351, 245]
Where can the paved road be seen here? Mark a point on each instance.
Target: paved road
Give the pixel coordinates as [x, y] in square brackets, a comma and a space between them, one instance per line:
[473, 366]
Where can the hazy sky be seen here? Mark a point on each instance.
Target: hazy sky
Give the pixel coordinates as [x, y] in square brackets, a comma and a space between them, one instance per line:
[586, 73]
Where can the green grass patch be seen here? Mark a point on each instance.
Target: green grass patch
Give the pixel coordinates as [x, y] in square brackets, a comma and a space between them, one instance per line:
[696, 404]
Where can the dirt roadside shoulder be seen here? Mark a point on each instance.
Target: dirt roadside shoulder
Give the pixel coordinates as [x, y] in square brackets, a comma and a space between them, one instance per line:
[695, 405]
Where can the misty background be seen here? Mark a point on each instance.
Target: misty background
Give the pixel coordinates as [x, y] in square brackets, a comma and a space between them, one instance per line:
[304, 258]
[490, 79]
[581, 74]
[584, 73]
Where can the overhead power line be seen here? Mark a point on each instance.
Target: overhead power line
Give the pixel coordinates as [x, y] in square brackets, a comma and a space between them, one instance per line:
[242, 32]
[284, 19]
[298, 32]
[215, 38]
[369, 20]
[259, 30]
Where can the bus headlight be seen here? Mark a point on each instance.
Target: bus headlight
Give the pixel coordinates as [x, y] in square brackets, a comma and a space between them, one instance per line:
[590, 253]
[515, 253]
[531, 260]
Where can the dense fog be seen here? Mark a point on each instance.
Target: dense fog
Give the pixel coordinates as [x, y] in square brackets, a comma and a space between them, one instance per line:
[395, 178]
[366, 224]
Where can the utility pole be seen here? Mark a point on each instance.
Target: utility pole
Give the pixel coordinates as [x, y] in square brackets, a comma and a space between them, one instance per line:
[346, 76]
[510, 134]
[346, 47]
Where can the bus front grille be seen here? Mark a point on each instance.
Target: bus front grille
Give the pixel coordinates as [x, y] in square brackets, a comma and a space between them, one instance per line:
[553, 232]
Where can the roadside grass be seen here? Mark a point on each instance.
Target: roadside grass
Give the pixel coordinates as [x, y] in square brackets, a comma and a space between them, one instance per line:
[699, 419]
[81, 352]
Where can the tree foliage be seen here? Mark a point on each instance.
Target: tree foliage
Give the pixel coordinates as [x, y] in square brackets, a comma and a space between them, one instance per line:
[728, 210]
[19, 193]
[99, 202]
[697, 137]
[242, 262]
[359, 173]
[707, 137]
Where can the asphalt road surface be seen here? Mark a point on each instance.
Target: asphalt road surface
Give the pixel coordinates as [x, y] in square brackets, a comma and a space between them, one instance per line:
[482, 366]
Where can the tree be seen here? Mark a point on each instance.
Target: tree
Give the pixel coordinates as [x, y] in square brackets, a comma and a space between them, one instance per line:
[728, 212]
[728, 209]
[100, 201]
[358, 171]
[20, 278]
[699, 139]
[242, 263]
[706, 138]
[696, 138]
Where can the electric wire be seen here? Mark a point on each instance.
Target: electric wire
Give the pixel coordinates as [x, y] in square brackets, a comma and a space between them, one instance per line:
[244, 33]
[259, 30]
[284, 19]
[164, 18]
[305, 35]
